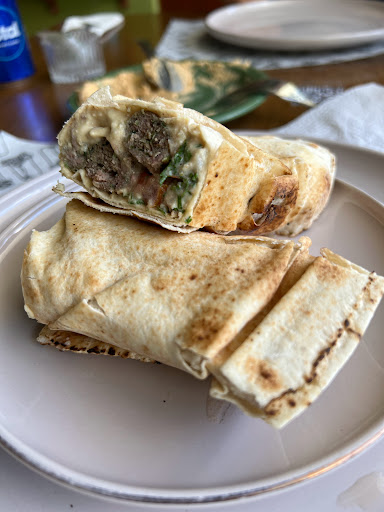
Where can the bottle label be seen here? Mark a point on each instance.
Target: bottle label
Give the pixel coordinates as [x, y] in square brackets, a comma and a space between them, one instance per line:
[12, 41]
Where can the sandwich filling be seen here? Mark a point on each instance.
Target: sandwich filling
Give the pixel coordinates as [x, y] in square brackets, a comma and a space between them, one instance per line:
[148, 160]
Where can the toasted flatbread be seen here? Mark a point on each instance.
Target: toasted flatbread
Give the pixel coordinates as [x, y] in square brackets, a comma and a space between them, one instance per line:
[301, 343]
[173, 166]
[272, 323]
[175, 298]
[315, 168]
[68, 341]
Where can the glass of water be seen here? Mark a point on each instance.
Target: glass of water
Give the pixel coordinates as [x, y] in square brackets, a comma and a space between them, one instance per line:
[72, 56]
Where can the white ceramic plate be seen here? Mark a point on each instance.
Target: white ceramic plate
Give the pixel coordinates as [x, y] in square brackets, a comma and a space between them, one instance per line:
[150, 433]
[298, 24]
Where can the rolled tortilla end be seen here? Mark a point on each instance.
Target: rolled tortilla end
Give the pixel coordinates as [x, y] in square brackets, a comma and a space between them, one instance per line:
[295, 352]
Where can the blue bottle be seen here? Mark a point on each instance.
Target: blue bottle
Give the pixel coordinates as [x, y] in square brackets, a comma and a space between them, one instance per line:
[15, 58]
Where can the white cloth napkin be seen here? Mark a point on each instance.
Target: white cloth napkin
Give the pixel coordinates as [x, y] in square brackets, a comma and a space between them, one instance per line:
[355, 117]
[99, 24]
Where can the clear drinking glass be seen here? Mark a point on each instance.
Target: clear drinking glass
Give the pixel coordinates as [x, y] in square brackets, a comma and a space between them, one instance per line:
[72, 56]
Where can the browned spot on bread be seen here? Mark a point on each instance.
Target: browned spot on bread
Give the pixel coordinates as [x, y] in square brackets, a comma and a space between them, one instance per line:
[192, 277]
[277, 404]
[159, 284]
[74, 342]
[272, 203]
[327, 271]
[262, 373]
[326, 351]
[320, 357]
[206, 328]
[355, 333]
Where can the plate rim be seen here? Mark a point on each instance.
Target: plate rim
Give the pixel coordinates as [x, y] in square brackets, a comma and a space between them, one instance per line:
[341, 41]
[30, 457]
[98, 487]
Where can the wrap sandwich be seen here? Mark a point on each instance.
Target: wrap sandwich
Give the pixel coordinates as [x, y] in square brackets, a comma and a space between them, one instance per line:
[270, 322]
[176, 298]
[293, 349]
[314, 167]
[173, 166]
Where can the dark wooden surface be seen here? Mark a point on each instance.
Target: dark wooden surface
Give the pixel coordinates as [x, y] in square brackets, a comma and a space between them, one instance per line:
[36, 109]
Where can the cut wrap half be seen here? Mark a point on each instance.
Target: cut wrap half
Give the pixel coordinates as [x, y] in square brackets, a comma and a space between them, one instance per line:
[171, 165]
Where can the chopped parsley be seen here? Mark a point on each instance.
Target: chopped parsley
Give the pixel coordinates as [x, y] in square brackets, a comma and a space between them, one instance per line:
[162, 210]
[182, 156]
[183, 187]
[132, 200]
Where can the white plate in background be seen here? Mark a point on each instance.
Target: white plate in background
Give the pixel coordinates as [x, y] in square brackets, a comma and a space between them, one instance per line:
[149, 433]
[298, 25]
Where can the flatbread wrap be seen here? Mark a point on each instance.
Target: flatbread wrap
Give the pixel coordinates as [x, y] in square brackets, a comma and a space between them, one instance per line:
[173, 166]
[315, 168]
[272, 323]
[302, 339]
[175, 298]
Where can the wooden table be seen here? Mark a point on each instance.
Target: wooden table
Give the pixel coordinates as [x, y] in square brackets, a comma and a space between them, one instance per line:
[36, 109]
